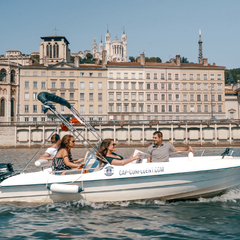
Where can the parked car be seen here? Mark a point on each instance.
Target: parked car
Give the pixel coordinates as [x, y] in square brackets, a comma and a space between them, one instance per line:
[113, 121]
[153, 122]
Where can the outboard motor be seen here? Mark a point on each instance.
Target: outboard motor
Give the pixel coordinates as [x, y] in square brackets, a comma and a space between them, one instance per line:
[226, 152]
[6, 170]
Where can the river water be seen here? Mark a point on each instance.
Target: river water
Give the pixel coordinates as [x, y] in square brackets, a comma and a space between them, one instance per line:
[214, 218]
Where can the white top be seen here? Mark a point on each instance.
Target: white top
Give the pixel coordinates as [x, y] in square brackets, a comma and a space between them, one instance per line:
[51, 151]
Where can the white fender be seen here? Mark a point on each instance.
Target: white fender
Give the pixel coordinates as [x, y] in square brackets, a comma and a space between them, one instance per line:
[190, 156]
[64, 188]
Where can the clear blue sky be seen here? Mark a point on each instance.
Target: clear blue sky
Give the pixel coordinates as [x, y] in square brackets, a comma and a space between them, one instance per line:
[160, 28]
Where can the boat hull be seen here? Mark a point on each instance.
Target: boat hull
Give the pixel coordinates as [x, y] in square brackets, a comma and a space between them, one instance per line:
[177, 179]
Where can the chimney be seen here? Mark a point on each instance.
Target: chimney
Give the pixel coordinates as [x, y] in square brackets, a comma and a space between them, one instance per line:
[76, 61]
[172, 60]
[138, 60]
[214, 64]
[142, 59]
[104, 58]
[205, 61]
[178, 60]
[115, 60]
[200, 61]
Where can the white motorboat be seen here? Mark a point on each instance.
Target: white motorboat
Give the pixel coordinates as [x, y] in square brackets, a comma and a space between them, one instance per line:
[180, 178]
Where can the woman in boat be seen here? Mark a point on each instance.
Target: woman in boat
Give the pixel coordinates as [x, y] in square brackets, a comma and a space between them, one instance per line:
[51, 152]
[107, 150]
[63, 159]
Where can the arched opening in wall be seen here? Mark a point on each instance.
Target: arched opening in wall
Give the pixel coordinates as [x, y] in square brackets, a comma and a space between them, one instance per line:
[55, 50]
[50, 46]
[3, 74]
[2, 108]
[48, 49]
[12, 76]
[12, 108]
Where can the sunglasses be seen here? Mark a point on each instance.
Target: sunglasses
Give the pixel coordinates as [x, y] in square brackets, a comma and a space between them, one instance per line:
[114, 144]
[73, 141]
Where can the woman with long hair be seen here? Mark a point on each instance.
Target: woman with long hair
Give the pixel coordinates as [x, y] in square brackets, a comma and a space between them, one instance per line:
[63, 159]
[107, 150]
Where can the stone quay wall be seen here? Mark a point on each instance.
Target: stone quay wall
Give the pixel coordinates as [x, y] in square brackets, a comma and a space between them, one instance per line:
[179, 134]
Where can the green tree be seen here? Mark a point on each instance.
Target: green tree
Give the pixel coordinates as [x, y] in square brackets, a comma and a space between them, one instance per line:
[132, 59]
[184, 60]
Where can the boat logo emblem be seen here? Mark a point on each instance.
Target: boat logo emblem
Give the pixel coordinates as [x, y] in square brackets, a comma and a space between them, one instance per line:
[108, 171]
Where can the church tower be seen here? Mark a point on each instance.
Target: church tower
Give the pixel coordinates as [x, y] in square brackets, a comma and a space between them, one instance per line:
[108, 44]
[124, 41]
[94, 48]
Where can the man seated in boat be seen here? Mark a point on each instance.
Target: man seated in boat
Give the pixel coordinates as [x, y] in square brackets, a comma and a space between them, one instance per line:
[107, 150]
[51, 152]
[159, 151]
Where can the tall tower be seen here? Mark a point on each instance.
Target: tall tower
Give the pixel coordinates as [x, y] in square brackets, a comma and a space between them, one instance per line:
[94, 48]
[108, 43]
[124, 41]
[200, 52]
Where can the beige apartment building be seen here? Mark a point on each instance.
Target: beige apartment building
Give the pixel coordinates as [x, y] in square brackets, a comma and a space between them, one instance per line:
[84, 86]
[165, 91]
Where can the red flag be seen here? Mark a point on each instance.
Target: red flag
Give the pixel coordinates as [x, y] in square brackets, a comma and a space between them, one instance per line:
[72, 121]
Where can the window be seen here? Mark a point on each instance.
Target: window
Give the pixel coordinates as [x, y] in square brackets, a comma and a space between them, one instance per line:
[198, 86]
[176, 76]
[62, 109]
[214, 108]
[184, 77]
[163, 97]
[53, 84]
[205, 97]
[62, 74]
[81, 74]
[119, 107]
[163, 108]
[162, 86]
[82, 85]
[169, 76]
[205, 108]
[133, 86]
[184, 97]
[110, 96]
[81, 96]
[141, 108]
[99, 74]
[219, 86]
[125, 75]
[134, 107]
[177, 108]
[62, 95]
[148, 86]
[125, 85]
[90, 108]
[91, 74]
[118, 85]
[111, 75]
[100, 109]
[205, 86]
[100, 85]
[155, 108]
[148, 108]
[191, 108]
[169, 86]
[126, 96]
[27, 73]
[140, 85]
[155, 86]
[35, 108]
[205, 76]
[140, 96]
[118, 75]
[125, 107]
[184, 108]
[191, 77]
[34, 96]
[54, 73]
[212, 97]
[62, 85]
[155, 96]
[219, 77]
[198, 97]
[140, 75]
[26, 119]
[43, 73]
[155, 75]
[35, 85]
[133, 96]
[100, 98]
[71, 85]
[212, 76]
[162, 76]
[212, 86]
[199, 108]
[191, 86]
[26, 85]
[43, 119]
[169, 108]
[90, 96]
[148, 97]
[219, 108]
[71, 96]
[133, 75]
[176, 86]
[184, 86]
[43, 85]
[177, 97]
[148, 75]
[26, 108]
[110, 85]
[91, 85]
[219, 97]
[35, 73]
[26, 96]
[198, 76]
[82, 108]
[170, 97]
[119, 96]
[71, 74]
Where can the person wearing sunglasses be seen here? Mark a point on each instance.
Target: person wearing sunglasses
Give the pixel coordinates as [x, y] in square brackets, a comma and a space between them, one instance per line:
[107, 150]
[63, 159]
